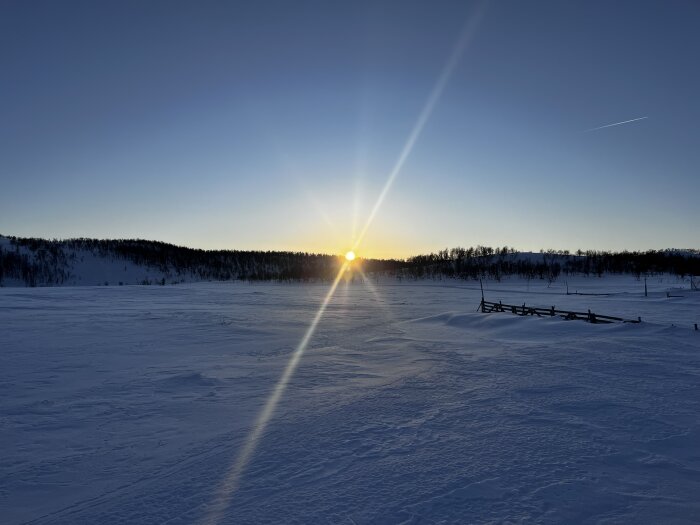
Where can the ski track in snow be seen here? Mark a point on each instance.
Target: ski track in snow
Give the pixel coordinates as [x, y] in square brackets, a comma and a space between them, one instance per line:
[129, 404]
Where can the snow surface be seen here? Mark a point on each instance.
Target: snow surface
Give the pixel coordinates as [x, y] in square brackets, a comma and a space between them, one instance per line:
[129, 404]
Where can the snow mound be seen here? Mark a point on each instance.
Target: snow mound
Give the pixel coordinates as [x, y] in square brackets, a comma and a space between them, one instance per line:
[187, 381]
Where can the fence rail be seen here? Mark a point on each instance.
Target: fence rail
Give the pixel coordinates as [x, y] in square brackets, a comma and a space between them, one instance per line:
[488, 307]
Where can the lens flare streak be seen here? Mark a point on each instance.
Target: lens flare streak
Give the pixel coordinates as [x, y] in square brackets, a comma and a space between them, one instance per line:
[229, 485]
[462, 42]
[231, 481]
[377, 297]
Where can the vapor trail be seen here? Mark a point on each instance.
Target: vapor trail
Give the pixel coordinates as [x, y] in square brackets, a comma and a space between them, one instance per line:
[464, 38]
[616, 124]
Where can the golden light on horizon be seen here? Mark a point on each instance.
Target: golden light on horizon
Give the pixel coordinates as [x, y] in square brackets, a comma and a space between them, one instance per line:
[230, 483]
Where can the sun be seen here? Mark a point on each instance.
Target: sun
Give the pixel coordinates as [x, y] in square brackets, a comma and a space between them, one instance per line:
[350, 256]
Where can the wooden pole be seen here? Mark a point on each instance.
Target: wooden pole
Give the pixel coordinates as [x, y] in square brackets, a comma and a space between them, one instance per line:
[645, 287]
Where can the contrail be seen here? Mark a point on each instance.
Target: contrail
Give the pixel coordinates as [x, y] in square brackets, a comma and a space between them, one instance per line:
[616, 124]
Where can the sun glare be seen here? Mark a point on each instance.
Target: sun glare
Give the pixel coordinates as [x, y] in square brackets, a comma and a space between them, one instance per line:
[231, 481]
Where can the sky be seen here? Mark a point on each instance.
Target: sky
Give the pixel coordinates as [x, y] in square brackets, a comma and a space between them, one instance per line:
[276, 125]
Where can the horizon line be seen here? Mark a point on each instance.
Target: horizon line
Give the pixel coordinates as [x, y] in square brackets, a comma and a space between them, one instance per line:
[495, 248]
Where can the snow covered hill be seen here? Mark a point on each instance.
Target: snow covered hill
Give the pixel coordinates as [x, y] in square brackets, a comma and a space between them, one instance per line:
[74, 266]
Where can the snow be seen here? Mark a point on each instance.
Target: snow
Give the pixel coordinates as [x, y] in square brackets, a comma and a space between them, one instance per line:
[129, 404]
[93, 270]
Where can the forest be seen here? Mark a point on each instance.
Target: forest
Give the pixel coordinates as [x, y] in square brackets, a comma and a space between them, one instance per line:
[41, 262]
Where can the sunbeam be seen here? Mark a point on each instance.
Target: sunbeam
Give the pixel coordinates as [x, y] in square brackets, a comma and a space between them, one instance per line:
[319, 209]
[232, 478]
[356, 207]
[464, 38]
[377, 297]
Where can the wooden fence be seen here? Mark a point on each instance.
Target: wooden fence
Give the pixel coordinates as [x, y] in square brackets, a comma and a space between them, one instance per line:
[488, 307]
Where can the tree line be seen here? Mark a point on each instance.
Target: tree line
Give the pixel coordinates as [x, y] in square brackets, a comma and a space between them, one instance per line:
[37, 262]
[494, 263]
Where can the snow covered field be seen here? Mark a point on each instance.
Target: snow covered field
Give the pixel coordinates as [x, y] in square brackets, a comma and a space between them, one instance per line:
[129, 404]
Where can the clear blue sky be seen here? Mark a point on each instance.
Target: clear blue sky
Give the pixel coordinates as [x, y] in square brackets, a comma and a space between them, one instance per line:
[274, 125]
